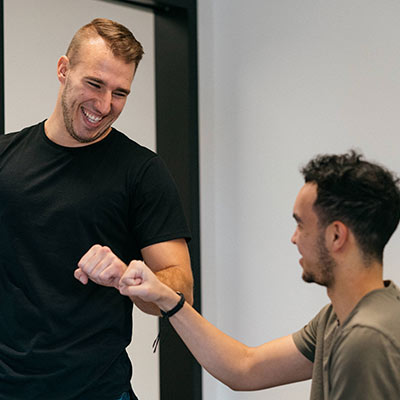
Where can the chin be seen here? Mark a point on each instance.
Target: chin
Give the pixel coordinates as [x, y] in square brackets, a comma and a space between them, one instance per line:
[308, 278]
[311, 279]
[88, 138]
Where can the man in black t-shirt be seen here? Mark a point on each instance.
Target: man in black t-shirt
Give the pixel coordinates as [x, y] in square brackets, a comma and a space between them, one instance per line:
[79, 201]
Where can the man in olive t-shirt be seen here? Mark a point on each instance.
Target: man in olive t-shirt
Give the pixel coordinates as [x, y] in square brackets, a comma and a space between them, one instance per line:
[346, 212]
[360, 358]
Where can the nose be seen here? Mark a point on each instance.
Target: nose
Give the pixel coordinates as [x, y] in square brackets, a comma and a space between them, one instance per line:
[103, 102]
[293, 239]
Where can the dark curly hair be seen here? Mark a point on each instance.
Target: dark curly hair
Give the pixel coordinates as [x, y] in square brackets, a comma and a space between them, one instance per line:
[363, 195]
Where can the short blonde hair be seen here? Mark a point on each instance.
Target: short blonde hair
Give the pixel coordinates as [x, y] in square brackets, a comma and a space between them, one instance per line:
[120, 40]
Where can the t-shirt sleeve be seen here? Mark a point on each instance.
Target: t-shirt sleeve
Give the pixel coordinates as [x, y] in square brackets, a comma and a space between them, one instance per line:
[306, 338]
[156, 212]
[364, 365]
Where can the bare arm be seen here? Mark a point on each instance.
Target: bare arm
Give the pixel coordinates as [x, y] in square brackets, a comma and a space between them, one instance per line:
[169, 260]
[233, 363]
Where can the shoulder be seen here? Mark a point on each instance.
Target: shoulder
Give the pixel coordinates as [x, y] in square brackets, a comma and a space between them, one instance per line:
[127, 155]
[378, 311]
[13, 138]
[365, 357]
[143, 166]
[306, 338]
[364, 360]
[324, 318]
[373, 329]
[362, 341]
[126, 145]
[24, 131]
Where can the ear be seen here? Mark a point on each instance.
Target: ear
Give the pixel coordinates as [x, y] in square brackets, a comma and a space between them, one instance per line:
[63, 67]
[336, 236]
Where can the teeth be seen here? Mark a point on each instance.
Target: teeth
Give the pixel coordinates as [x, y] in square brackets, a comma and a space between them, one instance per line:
[92, 118]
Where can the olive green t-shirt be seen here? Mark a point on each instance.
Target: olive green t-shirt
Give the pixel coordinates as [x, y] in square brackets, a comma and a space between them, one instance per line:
[359, 360]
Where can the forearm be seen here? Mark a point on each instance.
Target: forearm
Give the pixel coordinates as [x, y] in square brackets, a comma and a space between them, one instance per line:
[238, 366]
[179, 280]
[235, 364]
[222, 356]
[174, 277]
[170, 262]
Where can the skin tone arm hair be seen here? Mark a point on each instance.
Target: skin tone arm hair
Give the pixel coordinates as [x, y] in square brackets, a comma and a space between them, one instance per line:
[170, 261]
[240, 367]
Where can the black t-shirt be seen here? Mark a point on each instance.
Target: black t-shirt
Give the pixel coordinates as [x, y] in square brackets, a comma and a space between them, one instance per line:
[60, 339]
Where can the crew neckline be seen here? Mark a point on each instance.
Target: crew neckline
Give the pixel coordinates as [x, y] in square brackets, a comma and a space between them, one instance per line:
[98, 144]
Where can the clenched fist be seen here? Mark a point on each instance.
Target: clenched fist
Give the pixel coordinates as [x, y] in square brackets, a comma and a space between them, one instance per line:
[101, 266]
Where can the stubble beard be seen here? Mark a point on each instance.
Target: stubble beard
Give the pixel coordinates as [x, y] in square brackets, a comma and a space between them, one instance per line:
[325, 265]
[68, 119]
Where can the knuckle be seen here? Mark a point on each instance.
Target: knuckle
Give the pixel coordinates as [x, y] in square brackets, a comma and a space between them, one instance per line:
[106, 274]
[82, 266]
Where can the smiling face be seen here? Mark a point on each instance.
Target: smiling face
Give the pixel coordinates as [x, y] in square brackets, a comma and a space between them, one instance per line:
[93, 93]
[317, 263]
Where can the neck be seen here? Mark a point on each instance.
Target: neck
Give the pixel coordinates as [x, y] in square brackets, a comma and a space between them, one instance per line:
[351, 284]
[50, 126]
[56, 131]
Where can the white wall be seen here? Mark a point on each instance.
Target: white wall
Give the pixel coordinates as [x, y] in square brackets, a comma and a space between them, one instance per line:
[37, 33]
[280, 81]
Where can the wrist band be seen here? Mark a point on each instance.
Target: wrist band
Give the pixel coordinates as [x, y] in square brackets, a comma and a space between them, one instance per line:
[170, 313]
[166, 315]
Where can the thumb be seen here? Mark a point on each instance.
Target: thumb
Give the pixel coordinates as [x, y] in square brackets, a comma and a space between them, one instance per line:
[81, 276]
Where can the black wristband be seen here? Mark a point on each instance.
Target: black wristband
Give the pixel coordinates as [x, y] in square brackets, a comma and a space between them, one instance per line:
[166, 315]
[170, 313]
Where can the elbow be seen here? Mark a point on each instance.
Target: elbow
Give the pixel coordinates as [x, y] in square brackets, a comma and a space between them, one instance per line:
[189, 297]
[246, 386]
[240, 386]
[236, 388]
[233, 384]
[238, 378]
